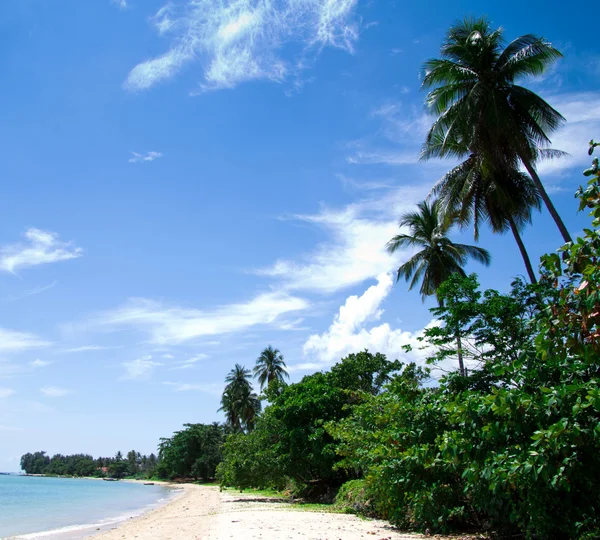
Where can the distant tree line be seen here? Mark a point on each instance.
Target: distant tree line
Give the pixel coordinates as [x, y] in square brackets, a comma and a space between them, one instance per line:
[134, 464]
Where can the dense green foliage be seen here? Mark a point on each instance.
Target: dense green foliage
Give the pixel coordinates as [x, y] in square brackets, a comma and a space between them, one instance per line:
[193, 452]
[290, 440]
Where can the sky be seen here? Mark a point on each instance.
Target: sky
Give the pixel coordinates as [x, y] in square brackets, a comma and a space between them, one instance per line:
[185, 183]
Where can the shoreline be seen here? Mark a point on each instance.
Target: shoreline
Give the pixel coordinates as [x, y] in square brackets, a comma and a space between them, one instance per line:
[205, 513]
[186, 515]
[87, 530]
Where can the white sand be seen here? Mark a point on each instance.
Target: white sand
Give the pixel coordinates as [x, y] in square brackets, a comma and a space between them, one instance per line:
[203, 513]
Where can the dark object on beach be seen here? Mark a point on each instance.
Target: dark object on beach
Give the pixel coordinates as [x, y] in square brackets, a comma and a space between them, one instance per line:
[148, 483]
[110, 479]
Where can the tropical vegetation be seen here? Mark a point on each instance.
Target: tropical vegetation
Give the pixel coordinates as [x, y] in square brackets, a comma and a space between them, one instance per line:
[508, 443]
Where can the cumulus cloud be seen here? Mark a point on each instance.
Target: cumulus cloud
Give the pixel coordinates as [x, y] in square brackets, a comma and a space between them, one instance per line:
[13, 341]
[350, 333]
[6, 393]
[174, 325]
[355, 248]
[54, 391]
[41, 247]
[240, 40]
[141, 368]
[144, 158]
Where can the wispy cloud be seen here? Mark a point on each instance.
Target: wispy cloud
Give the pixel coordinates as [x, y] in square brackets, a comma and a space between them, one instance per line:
[582, 111]
[240, 40]
[191, 362]
[174, 325]
[355, 248]
[121, 3]
[13, 341]
[141, 368]
[54, 391]
[41, 247]
[32, 292]
[208, 388]
[397, 139]
[143, 158]
[6, 393]
[88, 348]
[39, 363]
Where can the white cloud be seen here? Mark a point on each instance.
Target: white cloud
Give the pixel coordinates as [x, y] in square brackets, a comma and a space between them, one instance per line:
[191, 362]
[42, 247]
[240, 40]
[32, 292]
[54, 391]
[141, 368]
[168, 356]
[142, 158]
[6, 392]
[86, 348]
[208, 388]
[175, 325]
[348, 332]
[355, 249]
[13, 341]
[121, 3]
[582, 111]
[39, 363]
[354, 329]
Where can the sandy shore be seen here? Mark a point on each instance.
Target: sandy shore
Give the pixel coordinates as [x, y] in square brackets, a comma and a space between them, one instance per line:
[202, 513]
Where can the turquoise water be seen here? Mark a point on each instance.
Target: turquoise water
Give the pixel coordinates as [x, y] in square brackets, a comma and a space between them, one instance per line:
[69, 508]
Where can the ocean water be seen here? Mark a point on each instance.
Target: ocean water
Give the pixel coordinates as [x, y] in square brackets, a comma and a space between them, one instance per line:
[53, 508]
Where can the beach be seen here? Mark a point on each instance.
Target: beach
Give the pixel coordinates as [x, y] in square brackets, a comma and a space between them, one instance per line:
[203, 513]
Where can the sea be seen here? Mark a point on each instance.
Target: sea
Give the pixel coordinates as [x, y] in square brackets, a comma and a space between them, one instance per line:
[70, 508]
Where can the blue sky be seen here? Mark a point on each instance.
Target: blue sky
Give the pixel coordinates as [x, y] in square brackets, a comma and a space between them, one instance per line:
[185, 183]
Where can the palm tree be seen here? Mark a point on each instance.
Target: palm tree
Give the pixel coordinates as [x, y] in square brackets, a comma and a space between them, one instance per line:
[474, 191]
[238, 401]
[478, 103]
[438, 257]
[270, 366]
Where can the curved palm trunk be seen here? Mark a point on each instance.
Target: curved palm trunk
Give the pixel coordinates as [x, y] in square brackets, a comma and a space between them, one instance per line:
[524, 254]
[538, 183]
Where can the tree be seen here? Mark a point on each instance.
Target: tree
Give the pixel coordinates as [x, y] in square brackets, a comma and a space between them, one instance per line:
[478, 103]
[439, 257]
[270, 366]
[476, 191]
[132, 457]
[238, 401]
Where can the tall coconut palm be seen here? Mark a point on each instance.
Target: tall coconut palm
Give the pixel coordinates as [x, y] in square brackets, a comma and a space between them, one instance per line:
[270, 366]
[475, 191]
[438, 258]
[477, 101]
[238, 401]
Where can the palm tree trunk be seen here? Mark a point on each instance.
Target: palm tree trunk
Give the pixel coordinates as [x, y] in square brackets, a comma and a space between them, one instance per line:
[461, 364]
[524, 254]
[538, 183]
